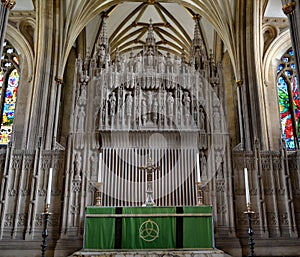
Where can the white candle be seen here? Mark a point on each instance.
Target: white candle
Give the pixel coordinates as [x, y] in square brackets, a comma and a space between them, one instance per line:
[100, 168]
[49, 187]
[247, 186]
[198, 168]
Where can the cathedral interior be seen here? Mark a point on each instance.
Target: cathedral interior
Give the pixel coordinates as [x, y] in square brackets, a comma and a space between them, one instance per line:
[203, 89]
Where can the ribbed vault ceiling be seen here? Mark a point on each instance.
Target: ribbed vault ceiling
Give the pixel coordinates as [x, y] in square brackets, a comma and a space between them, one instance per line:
[173, 25]
[173, 22]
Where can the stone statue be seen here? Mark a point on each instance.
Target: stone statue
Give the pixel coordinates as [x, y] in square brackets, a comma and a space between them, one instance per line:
[217, 120]
[176, 64]
[144, 111]
[77, 166]
[201, 93]
[80, 116]
[80, 128]
[113, 104]
[201, 119]
[203, 164]
[83, 96]
[155, 110]
[129, 100]
[101, 56]
[161, 64]
[93, 163]
[139, 63]
[170, 105]
[187, 103]
[123, 62]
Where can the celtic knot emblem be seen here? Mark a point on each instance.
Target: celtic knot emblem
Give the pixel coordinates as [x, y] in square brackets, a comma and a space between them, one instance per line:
[149, 231]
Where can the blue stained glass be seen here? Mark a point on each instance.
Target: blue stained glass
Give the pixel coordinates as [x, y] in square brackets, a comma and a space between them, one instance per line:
[285, 59]
[293, 66]
[291, 52]
[287, 73]
[280, 67]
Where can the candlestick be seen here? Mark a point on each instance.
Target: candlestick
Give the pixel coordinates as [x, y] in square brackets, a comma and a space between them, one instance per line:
[251, 243]
[46, 215]
[247, 187]
[198, 168]
[199, 187]
[98, 186]
[49, 187]
[100, 168]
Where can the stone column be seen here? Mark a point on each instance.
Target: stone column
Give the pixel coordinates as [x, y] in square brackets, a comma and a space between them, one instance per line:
[5, 7]
[59, 82]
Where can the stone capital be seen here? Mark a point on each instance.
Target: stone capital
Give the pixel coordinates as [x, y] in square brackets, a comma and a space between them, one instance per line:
[59, 80]
[239, 83]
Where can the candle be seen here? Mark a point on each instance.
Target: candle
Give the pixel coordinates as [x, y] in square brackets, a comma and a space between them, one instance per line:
[198, 168]
[49, 187]
[100, 168]
[247, 186]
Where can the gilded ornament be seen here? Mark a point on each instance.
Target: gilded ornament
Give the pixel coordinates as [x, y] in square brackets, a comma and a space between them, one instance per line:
[9, 4]
[239, 82]
[59, 80]
[289, 8]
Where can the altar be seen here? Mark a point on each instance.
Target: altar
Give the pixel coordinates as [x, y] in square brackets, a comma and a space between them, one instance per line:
[147, 228]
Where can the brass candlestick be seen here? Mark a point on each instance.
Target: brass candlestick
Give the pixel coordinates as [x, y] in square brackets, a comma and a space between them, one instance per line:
[251, 243]
[98, 193]
[200, 198]
[46, 215]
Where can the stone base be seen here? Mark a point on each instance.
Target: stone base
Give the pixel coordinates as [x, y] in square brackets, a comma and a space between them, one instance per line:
[153, 253]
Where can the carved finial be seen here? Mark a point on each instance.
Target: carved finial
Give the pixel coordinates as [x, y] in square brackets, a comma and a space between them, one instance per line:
[103, 39]
[150, 40]
[198, 53]
[102, 49]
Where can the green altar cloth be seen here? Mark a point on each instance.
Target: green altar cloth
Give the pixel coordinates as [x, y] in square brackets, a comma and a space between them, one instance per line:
[108, 228]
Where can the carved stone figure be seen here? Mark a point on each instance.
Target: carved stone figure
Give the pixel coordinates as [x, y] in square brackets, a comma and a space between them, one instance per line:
[201, 119]
[187, 103]
[93, 163]
[217, 120]
[80, 128]
[77, 166]
[144, 111]
[155, 110]
[203, 164]
[150, 56]
[113, 104]
[161, 63]
[83, 96]
[101, 54]
[176, 64]
[129, 100]
[139, 63]
[170, 105]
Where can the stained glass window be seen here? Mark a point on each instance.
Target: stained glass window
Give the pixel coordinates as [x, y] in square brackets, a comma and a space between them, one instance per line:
[288, 99]
[9, 82]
